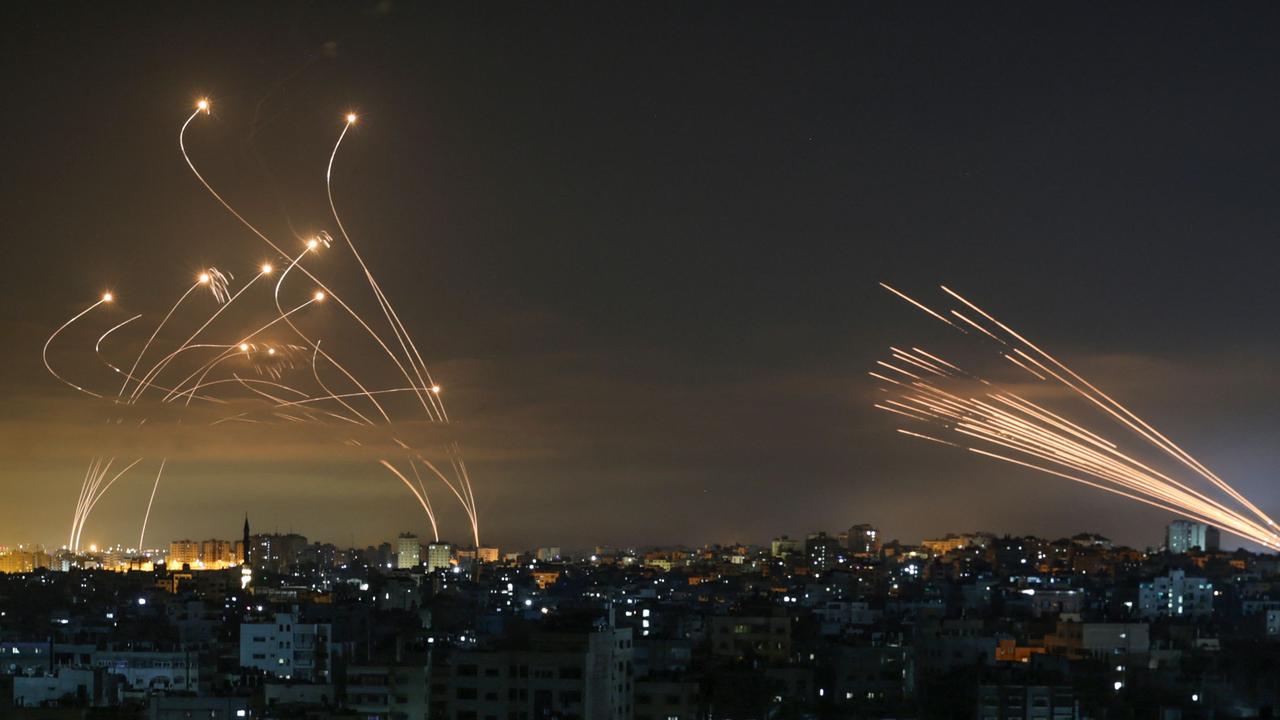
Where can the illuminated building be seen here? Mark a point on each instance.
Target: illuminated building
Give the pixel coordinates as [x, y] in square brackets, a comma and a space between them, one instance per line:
[183, 552]
[408, 551]
[1175, 595]
[24, 561]
[217, 553]
[439, 556]
[481, 554]
[821, 551]
[1182, 536]
[950, 542]
[275, 552]
[864, 540]
[783, 546]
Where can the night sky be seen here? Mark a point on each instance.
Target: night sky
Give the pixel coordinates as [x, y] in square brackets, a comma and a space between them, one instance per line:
[639, 244]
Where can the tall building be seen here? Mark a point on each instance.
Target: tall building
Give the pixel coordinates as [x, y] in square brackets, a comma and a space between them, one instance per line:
[864, 540]
[183, 552]
[275, 552]
[439, 556]
[217, 553]
[1184, 535]
[408, 551]
[821, 551]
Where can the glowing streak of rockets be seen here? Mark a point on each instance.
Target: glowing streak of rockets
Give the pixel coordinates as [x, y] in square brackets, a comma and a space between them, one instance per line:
[999, 424]
[272, 359]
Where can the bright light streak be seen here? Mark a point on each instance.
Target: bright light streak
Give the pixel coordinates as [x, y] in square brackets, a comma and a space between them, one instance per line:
[1059, 446]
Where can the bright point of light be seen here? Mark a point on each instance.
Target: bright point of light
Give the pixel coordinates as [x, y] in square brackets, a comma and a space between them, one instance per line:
[1195, 697]
[319, 296]
[312, 243]
[142, 601]
[351, 118]
[271, 351]
[266, 268]
[244, 347]
[1118, 685]
[93, 548]
[204, 278]
[108, 297]
[435, 389]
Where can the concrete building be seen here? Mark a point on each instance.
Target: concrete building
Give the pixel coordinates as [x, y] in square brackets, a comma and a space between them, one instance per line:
[218, 553]
[408, 551]
[741, 637]
[1175, 595]
[1099, 640]
[781, 547]
[275, 552]
[288, 649]
[24, 561]
[663, 699]
[151, 670]
[1027, 702]
[183, 552]
[84, 685]
[1185, 535]
[584, 673]
[205, 708]
[821, 551]
[388, 691]
[439, 556]
[863, 541]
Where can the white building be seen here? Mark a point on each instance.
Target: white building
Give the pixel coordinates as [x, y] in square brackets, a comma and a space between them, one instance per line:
[81, 683]
[288, 649]
[1184, 535]
[151, 670]
[408, 551]
[1175, 595]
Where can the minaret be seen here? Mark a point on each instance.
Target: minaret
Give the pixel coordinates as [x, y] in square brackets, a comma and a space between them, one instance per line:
[245, 559]
[246, 571]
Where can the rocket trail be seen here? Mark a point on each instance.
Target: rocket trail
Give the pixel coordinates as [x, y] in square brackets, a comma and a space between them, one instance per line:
[1029, 434]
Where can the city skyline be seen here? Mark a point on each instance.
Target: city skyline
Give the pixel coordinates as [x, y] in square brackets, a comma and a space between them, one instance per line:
[651, 294]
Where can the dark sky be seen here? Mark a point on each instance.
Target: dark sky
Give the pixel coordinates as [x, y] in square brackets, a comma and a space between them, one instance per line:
[640, 244]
